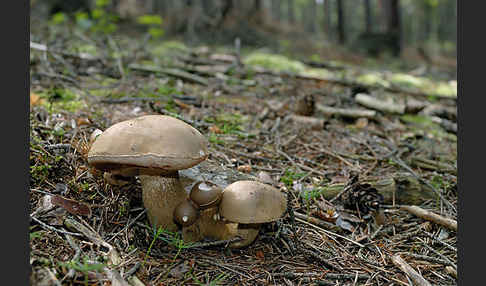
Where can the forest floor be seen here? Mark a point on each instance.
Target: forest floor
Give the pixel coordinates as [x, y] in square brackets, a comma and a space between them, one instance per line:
[333, 137]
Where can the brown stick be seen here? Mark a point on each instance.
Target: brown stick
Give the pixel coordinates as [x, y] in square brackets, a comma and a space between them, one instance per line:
[414, 275]
[378, 104]
[450, 270]
[348, 112]
[308, 121]
[428, 215]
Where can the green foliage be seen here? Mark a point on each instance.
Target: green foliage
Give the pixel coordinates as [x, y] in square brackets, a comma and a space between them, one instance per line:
[153, 22]
[35, 234]
[99, 21]
[171, 238]
[60, 99]
[58, 19]
[83, 267]
[214, 139]
[290, 176]
[228, 123]
[149, 20]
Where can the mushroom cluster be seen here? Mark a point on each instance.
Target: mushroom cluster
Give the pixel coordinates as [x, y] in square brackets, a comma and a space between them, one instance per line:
[238, 211]
[155, 148]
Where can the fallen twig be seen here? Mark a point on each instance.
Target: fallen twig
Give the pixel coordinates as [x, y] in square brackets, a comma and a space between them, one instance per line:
[414, 275]
[378, 104]
[172, 72]
[348, 112]
[430, 216]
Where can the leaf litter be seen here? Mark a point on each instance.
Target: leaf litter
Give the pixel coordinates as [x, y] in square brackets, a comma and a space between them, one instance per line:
[91, 231]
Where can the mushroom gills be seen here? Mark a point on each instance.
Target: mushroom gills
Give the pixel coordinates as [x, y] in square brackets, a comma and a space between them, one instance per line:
[248, 232]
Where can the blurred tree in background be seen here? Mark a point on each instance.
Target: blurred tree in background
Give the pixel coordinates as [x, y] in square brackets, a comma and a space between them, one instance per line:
[374, 27]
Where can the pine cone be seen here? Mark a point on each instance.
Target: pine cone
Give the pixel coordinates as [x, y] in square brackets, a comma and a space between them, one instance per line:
[305, 105]
[363, 198]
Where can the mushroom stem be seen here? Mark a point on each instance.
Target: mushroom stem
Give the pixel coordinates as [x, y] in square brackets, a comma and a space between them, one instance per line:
[207, 227]
[248, 232]
[161, 195]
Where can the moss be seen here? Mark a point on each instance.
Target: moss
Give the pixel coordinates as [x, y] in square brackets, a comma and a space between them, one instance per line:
[62, 100]
[274, 62]
[317, 72]
[406, 80]
[373, 79]
[228, 123]
[424, 125]
[168, 48]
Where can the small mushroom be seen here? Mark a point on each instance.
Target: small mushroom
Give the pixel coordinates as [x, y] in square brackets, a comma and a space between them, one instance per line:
[250, 204]
[153, 147]
[205, 194]
[186, 213]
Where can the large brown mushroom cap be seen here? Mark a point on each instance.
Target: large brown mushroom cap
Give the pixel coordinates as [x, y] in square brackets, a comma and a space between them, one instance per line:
[148, 144]
[251, 202]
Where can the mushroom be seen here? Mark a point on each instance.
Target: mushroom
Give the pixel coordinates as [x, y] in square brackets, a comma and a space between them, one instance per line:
[206, 196]
[249, 204]
[153, 147]
[186, 213]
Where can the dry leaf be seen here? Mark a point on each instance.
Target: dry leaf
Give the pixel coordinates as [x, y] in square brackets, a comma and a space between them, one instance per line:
[244, 168]
[215, 129]
[259, 254]
[72, 206]
[83, 121]
[35, 99]
[181, 104]
[361, 123]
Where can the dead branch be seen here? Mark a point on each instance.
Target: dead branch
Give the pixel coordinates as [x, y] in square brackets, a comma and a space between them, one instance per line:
[171, 72]
[307, 121]
[451, 271]
[348, 112]
[430, 216]
[380, 105]
[318, 222]
[414, 275]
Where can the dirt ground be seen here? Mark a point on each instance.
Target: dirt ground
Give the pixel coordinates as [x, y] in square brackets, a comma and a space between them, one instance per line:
[331, 167]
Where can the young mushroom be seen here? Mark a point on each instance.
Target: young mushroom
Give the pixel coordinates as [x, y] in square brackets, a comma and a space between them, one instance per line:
[186, 213]
[206, 196]
[153, 147]
[249, 204]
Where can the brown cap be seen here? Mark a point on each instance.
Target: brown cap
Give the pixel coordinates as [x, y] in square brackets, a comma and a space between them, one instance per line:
[148, 144]
[205, 194]
[252, 202]
[185, 213]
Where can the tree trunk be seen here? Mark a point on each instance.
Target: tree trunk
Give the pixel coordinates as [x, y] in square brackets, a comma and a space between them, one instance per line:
[341, 28]
[291, 11]
[367, 5]
[276, 10]
[394, 26]
[327, 18]
[225, 11]
[312, 16]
